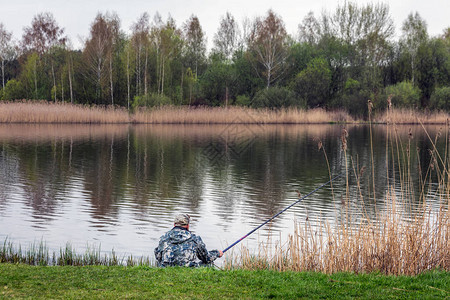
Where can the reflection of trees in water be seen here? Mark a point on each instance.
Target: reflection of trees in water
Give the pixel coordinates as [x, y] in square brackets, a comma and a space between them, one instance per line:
[160, 170]
[8, 173]
[100, 178]
[280, 163]
[44, 169]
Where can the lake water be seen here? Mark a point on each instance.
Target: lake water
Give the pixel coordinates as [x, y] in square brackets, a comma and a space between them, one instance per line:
[120, 186]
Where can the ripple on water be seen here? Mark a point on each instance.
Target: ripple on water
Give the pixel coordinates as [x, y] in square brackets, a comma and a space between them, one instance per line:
[121, 187]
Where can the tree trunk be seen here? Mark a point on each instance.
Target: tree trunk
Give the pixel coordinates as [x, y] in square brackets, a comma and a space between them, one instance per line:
[3, 75]
[145, 72]
[190, 94]
[35, 80]
[99, 79]
[137, 75]
[181, 88]
[54, 80]
[128, 79]
[62, 87]
[162, 79]
[70, 80]
[159, 74]
[111, 79]
[226, 97]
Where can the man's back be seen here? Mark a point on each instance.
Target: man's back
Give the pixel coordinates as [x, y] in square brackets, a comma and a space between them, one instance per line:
[179, 247]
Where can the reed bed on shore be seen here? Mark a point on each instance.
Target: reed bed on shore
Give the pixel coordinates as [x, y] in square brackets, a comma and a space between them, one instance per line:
[411, 116]
[238, 115]
[48, 112]
[54, 113]
[388, 245]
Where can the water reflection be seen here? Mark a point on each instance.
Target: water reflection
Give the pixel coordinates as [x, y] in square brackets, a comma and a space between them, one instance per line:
[121, 185]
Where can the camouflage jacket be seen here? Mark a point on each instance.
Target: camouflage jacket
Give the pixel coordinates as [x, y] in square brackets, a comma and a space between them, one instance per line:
[179, 247]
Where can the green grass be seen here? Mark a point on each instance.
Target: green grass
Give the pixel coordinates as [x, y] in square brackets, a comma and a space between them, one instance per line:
[106, 282]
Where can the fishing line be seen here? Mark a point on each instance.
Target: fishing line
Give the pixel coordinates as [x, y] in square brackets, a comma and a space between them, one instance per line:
[279, 213]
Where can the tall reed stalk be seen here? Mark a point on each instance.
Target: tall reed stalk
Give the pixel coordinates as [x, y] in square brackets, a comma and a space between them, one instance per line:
[399, 239]
[390, 245]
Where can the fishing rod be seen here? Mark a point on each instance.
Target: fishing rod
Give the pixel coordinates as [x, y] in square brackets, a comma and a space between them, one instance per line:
[279, 213]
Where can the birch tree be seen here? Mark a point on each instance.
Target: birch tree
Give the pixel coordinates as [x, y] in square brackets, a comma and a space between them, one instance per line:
[268, 44]
[99, 51]
[168, 42]
[140, 40]
[226, 39]
[195, 43]
[414, 33]
[7, 51]
[226, 42]
[41, 37]
[43, 34]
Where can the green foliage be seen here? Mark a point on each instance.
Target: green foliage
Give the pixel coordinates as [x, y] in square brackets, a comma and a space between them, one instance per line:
[354, 98]
[425, 75]
[13, 90]
[441, 60]
[243, 100]
[440, 99]
[313, 83]
[30, 76]
[153, 99]
[404, 94]
[340, 59]
[142, 282]
[216, 81]
[351, 85]
[300, 54]
[246, 83]
[275, 97]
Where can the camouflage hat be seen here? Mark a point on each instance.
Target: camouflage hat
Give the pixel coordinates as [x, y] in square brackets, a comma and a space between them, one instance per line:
[182, 219]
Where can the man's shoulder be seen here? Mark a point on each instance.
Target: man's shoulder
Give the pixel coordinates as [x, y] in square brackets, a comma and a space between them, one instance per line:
[197, 238]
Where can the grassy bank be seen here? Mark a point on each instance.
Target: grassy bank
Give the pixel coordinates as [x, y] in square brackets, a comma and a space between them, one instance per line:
[48, 112]
[22, 281]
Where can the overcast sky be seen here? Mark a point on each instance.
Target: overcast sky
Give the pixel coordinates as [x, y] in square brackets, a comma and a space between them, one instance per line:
[75, 16]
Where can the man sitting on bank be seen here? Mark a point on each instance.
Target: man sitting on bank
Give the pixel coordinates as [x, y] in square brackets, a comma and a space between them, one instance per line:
[179, 247]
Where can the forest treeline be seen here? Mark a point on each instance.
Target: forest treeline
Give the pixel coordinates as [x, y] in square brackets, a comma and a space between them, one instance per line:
[338, 59]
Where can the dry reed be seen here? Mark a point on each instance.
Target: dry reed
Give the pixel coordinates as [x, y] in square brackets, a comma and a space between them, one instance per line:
[49, 112]
[238, 115]
[45, 112]
[411, 116]
[390, 245]
[392, 242]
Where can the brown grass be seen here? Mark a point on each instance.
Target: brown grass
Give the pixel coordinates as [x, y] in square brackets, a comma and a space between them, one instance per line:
[389, 245]
[49, 112]
[46, 112]
[238, 115]
[402, 239]
[411, 116]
